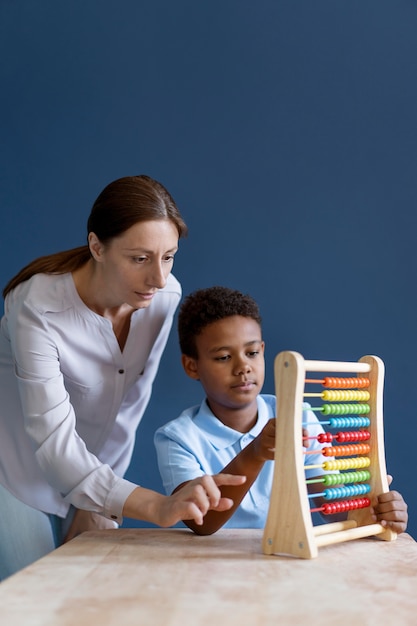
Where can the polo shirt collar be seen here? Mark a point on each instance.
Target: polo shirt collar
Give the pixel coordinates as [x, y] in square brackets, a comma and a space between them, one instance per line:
[222, 436]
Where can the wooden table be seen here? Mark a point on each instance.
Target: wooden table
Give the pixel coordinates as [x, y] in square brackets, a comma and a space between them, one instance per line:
[149, 577]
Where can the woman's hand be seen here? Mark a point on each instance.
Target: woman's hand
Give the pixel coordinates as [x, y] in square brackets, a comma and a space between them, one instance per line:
[190, 502]
[86, 520]
[199, 496]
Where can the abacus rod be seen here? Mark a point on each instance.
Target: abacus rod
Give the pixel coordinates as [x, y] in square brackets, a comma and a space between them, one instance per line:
[333, 527]
[336, 366]
[348, 535]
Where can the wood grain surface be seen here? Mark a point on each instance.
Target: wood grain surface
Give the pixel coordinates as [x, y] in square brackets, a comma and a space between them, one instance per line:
[172, 577]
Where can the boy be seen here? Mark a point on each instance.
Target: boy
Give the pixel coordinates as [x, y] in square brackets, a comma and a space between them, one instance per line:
[233, 430]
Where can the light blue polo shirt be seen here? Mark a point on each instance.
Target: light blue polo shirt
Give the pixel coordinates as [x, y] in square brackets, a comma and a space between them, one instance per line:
[198, 443]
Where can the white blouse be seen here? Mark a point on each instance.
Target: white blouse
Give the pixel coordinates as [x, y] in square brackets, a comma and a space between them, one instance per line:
[70, 399]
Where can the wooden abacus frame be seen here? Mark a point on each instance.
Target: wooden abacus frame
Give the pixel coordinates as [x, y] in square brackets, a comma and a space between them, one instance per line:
[289, 528]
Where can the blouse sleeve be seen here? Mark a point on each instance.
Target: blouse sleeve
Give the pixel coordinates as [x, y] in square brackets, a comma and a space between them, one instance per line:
[50, 422]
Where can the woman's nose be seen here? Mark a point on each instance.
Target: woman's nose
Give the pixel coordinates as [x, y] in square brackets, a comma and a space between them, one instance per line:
[157, 277]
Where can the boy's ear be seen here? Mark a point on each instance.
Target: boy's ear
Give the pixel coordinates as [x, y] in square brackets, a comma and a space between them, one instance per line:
[190, 366]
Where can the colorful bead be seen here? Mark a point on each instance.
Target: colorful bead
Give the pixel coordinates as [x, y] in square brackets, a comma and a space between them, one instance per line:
[344, 436]
[345, 492]
[345, 383]
[349, 422]
[345, 396]
[347, 477]
[345, 505]
[343, 464]
[343, 409]
[349, 450]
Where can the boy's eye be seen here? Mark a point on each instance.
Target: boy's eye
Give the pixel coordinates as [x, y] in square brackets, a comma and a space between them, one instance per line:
[225, 357]
[253, 353]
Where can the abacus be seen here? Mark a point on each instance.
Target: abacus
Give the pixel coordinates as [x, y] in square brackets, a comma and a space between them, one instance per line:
[358, 465]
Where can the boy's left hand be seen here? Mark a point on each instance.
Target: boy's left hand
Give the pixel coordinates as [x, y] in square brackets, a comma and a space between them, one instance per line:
[391, 510]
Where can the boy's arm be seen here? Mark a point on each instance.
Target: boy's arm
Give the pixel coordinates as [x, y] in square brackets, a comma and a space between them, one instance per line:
[249, 463]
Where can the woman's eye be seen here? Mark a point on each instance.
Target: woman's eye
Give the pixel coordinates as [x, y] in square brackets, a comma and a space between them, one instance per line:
[139, 259]
[254, 353]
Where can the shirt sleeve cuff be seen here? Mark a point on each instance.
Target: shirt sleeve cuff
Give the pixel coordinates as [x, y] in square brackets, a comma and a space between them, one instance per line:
[113, 506]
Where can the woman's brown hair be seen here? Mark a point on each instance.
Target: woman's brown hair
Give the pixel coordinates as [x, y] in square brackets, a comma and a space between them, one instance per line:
[122, 204]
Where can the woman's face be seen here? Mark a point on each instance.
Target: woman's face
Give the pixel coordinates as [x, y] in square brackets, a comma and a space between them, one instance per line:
[135, 265]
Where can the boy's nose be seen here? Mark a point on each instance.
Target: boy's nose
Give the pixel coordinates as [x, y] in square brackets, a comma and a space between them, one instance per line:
[242, 368]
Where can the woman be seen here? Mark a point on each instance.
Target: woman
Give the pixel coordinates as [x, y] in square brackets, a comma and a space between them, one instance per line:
[80, 344]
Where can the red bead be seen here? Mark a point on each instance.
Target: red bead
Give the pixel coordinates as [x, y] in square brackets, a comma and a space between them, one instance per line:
[324, 437]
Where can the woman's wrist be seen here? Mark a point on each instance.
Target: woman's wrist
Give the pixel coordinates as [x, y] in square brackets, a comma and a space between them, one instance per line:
[143, 504]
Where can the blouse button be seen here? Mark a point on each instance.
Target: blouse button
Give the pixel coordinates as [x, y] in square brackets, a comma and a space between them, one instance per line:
[121, 371]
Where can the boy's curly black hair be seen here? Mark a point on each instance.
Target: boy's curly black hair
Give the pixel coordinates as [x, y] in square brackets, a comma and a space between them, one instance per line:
[205, 306]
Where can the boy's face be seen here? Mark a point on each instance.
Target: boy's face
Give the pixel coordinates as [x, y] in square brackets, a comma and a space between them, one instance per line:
[230, 364]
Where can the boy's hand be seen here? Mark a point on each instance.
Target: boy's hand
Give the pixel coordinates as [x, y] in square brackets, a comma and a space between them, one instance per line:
[264, 444]
[391, 510]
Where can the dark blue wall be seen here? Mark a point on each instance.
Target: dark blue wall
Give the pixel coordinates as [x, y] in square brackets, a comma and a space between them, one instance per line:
[286, 131]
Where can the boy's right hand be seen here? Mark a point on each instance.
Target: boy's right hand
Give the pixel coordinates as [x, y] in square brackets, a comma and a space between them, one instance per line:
[264, 443]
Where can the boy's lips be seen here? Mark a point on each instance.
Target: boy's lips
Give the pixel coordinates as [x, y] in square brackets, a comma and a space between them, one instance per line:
[246, 384]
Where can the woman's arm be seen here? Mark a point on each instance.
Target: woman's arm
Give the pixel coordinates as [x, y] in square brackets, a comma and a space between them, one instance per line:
[191, 502]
